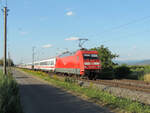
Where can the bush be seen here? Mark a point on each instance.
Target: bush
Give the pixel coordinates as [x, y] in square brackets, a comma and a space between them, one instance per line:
[138, 72]
[9, 95]
[107, 74]
[122, 71]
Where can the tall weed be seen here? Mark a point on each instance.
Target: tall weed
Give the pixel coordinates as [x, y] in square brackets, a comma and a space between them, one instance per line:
[9, 95]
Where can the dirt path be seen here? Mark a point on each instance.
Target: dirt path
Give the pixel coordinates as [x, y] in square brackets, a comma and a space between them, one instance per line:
[39, 97]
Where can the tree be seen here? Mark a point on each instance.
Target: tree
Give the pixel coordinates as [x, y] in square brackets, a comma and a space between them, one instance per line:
[122, 71]
[8, 62]
[106, 57]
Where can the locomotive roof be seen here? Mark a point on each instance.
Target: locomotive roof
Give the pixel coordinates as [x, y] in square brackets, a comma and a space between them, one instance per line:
[67, 53]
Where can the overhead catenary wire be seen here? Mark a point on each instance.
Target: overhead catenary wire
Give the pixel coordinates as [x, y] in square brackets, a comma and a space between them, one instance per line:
[118, 27]
[125, 25]
[129, 23]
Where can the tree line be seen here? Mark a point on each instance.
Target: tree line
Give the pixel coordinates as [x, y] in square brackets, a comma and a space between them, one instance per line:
[9, 62]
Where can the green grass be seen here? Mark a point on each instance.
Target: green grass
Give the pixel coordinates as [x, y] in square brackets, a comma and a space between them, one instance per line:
[93, 93]
[9, 95]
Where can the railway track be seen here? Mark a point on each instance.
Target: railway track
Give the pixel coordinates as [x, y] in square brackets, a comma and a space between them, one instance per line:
[134, 85]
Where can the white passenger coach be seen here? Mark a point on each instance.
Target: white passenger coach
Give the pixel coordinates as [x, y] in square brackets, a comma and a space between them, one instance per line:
[47, 65]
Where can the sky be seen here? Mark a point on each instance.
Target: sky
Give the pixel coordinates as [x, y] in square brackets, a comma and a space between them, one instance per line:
[52, 26]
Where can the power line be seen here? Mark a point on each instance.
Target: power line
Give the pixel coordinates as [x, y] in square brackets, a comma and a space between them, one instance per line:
[123, 25]
[115, 27]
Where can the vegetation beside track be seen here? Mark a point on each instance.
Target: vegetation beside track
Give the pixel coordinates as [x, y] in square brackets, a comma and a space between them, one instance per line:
[112, 70]
[9, 95]
[140, 72]
[92, 93]
[124, 71]
[133, 72]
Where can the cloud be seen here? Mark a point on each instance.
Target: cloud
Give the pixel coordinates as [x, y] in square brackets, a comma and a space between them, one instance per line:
[72, 38]
[23, 33]
[69, 13]
[47, 46]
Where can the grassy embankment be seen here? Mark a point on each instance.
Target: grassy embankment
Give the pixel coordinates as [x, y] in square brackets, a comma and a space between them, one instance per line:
[93, 93]
[9, 95]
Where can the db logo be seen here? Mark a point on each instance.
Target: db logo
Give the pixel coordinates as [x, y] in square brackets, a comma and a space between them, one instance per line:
[64, 63]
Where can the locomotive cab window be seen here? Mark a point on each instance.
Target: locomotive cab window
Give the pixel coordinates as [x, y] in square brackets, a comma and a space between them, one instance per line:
[94, 56]
[86, 56]
[90, 56]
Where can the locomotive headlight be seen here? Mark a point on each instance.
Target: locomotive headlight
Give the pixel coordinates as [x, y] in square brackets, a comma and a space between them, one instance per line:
[96, 63]
[87, 63]
[85, 66]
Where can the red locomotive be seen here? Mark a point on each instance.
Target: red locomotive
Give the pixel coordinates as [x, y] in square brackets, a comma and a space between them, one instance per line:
[83, 62]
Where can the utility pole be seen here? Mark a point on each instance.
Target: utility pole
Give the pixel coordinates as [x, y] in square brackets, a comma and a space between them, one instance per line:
[9, 60]
[33, 54]
[5, 41]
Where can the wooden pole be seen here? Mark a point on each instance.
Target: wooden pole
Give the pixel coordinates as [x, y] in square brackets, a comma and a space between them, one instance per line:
[5, 41]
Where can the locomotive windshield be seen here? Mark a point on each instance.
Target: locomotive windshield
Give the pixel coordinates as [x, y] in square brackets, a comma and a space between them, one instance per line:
[90, 56]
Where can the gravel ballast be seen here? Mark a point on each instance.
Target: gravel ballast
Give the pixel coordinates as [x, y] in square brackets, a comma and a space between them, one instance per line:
[139, 96]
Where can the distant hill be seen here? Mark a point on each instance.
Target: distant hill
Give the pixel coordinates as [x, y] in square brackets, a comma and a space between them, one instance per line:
[144, 62]
[134, 62]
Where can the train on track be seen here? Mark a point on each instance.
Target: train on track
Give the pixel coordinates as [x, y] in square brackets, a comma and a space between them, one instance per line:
[82, 63]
